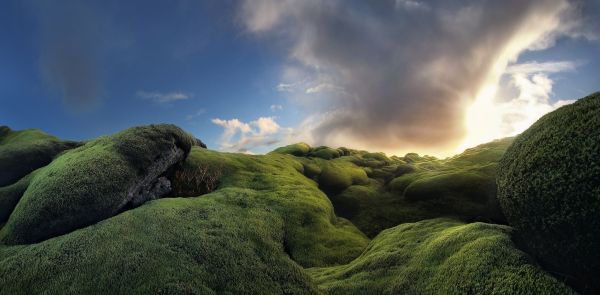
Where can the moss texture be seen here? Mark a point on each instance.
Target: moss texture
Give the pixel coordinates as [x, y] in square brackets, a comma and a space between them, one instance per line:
[298, 149]
[253, 234]
[376, 192]
[440, 256]
[324, 152]
[23, 151]
[11, 194]
[550, 190]
[88, 184]
[289, 222]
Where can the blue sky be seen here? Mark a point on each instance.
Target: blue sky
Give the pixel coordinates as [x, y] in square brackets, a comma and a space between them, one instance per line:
[251, 75]
[194, 48]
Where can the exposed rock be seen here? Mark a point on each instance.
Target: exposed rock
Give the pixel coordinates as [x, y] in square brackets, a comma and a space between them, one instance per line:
[151, 186]
[96, 181]
[198, 142]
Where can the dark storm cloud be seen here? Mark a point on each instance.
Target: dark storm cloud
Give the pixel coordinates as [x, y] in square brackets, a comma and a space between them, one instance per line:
[72, 39]
[406, 69]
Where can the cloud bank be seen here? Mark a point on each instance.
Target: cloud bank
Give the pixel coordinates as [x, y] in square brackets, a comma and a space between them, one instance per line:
[160, 97]
[244, 137]
[403, 75]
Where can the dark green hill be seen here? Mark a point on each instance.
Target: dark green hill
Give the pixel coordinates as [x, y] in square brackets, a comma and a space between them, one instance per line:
[550, 191]
[295, 221]
[377, 192]
[23, 151]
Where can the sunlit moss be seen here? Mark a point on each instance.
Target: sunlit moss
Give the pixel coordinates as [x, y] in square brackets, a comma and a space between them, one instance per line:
[439, 256]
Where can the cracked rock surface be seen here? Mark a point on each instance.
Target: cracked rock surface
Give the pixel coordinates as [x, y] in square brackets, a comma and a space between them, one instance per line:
[97, 181]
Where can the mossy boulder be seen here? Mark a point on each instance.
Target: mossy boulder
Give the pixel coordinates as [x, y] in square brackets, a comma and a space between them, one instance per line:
[465, 194]
[376, 156]
[23, 151]
[440, 256]
[299, 149]
[412, 157]
[11, 194]
[96, 181]
[486, 153]
[254, 234]
[337, 176]
[549, 190]
[324, 152]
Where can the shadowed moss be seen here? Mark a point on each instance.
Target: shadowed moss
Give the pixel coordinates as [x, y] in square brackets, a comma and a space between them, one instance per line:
[336, 176]
[222, 243]
[11, 194]
[250, 236]
[314, 235]
[439, 256]
[299, 149]
[324, 152]
[90, 183]
[264, 220]
[410, 188]
[23, 151]
[549, 190]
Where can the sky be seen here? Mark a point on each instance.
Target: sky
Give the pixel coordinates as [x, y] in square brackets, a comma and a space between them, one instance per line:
[433, 77]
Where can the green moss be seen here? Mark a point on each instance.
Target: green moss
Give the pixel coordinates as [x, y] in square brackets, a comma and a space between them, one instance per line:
[462, 187]
[486, 153]
[11, 194]
[23, 151]
[439, 256]
[264, 220]
[311, 169]
[89, 184]
[336, 176]
[412, 157]
[251, 235]
[324, 152]
[549, 190]
[399, 184]
[223, 243]
[299, 149]
[376, 156]
[465, 194]
[314, 235]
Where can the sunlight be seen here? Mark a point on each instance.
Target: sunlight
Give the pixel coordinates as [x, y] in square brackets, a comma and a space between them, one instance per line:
[483, 121]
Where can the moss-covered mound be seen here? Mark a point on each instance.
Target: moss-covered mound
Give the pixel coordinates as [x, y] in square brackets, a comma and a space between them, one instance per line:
[96, 181]
[325, 152]
[253, 234]
[549, 189]
[299, 149]
[440, 256]
[257, 224]
[23, 151]
[376, 192]
[11, 194]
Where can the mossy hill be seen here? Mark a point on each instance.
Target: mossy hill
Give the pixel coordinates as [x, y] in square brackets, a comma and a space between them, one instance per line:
[150, 211]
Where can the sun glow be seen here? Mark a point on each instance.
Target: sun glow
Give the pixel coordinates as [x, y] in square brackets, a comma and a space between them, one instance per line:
[483, 121]
[491, 116]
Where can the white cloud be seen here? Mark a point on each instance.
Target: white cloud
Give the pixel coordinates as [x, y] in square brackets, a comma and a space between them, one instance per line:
[323, 87]
[161, 97]
[253, 136]
[276, 107]
[495, 115]
[381, 78]
[285, 87]
[545, 67]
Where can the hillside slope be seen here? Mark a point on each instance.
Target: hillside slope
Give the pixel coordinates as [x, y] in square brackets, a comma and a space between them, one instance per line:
[274, 224]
